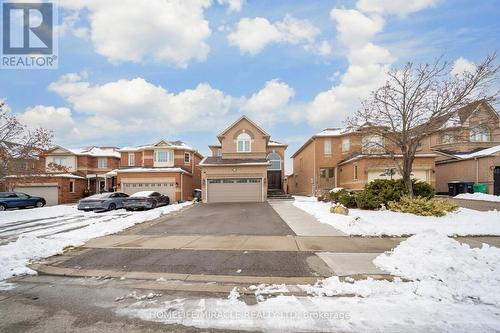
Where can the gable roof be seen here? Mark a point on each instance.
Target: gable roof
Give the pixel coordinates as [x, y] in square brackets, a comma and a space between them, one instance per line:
[89, 151]
[239, 120]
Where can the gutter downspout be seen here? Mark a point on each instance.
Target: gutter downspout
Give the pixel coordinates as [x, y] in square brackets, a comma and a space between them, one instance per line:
[477, 169]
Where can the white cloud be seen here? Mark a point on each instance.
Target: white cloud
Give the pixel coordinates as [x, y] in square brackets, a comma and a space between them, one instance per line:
[57, 119]
[325, 48]
[269, 105]
[234, 5]
[462, 65]
[166, 31]
[354, 27]
[253, 35]
[394, 7]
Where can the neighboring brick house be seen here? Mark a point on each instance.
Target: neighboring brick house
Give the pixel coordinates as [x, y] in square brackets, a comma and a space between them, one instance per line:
[244, 166]
[468, 144]
[69, 174]
[168, 167]
[350, 159]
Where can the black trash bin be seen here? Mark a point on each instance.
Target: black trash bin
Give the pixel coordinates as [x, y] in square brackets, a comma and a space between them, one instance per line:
[457, 187]
[453, 188]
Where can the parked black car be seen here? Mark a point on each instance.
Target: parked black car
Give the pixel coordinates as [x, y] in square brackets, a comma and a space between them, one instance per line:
[102, 201]
[19, 200]
[145, 200]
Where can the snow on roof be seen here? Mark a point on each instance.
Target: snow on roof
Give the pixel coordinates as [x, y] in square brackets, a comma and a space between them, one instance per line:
[151, 170]
[275, 143]
[169, 144]
[480, 153]
[334, 131]
[96, 152]
[62, 175]
[142, 194]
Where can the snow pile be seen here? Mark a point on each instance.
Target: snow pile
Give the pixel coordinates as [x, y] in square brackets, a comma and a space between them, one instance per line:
[453, 288]
[478, 196]
[463, 222]
[38, 213]
[15, 256]
[262, 290]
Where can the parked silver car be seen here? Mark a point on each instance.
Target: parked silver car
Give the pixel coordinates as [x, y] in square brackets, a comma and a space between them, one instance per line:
[102, 202]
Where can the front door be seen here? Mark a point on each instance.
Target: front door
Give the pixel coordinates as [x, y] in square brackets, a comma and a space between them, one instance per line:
[496, 181]
[274, 180]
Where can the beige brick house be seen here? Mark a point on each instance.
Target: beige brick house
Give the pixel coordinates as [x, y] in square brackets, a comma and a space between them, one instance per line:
[69, 173]
[169, 167]
[244, 166]
[350, 159]
[468, 144]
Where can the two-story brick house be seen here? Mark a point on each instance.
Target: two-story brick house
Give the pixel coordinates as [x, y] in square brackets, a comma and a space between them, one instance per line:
[350, 158]
[169, 167]
[244, 166]
[69, 174]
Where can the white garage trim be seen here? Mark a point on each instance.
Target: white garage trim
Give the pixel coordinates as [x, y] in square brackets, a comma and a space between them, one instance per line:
[239, 189]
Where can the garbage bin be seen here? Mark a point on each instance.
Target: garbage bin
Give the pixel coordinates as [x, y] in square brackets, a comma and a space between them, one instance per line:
[480, 188]
[465, 187]
[453, 188]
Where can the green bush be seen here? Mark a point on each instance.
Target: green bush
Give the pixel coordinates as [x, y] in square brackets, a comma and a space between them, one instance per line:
[367, 199]
[386, 189]
[422, 206]
[422, 189]
[344, 197]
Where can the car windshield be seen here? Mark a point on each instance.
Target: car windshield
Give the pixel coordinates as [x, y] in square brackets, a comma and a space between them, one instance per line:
[100, 196]
[142, 194]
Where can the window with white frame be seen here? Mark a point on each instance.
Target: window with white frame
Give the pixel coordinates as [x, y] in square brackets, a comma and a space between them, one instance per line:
[327, 147]
[373, 143]
[448, 138]
[187, 157]
[275, 160]
[164, 156]
[355, 172]
[60, 160]
[102, 163]
[243, 143]
[346, 144]
[72, 186]
[479, 134]
[219, 152]
[131, 159]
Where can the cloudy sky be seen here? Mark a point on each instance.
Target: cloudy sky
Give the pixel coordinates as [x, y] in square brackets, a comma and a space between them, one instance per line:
[131, 72]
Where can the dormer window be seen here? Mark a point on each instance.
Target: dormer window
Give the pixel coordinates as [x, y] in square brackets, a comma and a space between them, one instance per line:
[479, 134]
[244, 143]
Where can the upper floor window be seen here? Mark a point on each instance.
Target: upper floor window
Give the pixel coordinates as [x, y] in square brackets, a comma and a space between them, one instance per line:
[327, 147]
[187, 157]
[372, 143]
[346, 144]
[447, 138]
[164, 156]
[131, 159]
[243, 143]
[275, 160]
[60, 160]
[219, 152]
[479, 134]
[102, 163]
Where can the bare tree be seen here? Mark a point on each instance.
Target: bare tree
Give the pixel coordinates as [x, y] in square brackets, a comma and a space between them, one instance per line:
[414, 101]
[20, 147]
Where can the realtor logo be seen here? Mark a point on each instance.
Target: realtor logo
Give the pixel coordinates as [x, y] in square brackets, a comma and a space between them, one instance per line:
[28, 40]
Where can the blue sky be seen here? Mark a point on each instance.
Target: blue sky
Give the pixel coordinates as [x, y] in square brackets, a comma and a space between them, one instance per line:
[131, 72]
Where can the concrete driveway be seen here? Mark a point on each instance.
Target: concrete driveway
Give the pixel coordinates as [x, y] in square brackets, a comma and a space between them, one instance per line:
[224, 219]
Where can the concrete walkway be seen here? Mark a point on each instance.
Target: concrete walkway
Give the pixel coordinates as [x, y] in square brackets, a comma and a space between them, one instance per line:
[476, 204]
[302, 223]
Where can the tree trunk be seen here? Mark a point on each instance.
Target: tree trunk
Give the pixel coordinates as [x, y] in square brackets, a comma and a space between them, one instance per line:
[407, 167]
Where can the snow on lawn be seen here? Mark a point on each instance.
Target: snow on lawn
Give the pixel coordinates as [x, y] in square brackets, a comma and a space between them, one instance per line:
[478, 196]
[452, 288]
[376, 223]
[35, 243]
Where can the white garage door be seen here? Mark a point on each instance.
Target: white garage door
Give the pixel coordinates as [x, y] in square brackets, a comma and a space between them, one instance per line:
[167, 189]
[418, 174]
[234, 190]
[49, 193]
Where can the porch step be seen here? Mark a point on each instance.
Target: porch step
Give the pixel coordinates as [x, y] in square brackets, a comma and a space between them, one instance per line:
[279, 195]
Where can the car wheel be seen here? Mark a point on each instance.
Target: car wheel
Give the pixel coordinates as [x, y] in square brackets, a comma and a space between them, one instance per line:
[39, 204]
[112, 206]
[2, 208]
[153, 206]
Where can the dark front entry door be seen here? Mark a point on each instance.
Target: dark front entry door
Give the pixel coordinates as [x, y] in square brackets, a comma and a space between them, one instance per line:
[496, 181]
[274, 180]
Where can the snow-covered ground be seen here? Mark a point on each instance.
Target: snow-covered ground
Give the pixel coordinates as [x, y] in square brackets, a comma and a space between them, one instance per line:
[463, 222]
[478, 196]
[452, 288]
[39, 233]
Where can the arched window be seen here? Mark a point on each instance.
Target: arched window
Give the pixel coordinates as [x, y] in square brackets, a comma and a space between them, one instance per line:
[275, 160]
[243, 143]
[479, 134]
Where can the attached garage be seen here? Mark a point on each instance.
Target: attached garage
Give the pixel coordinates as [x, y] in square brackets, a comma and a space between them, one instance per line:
[234, 190]
[48, 192]
[418, 174]
[166, 188]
